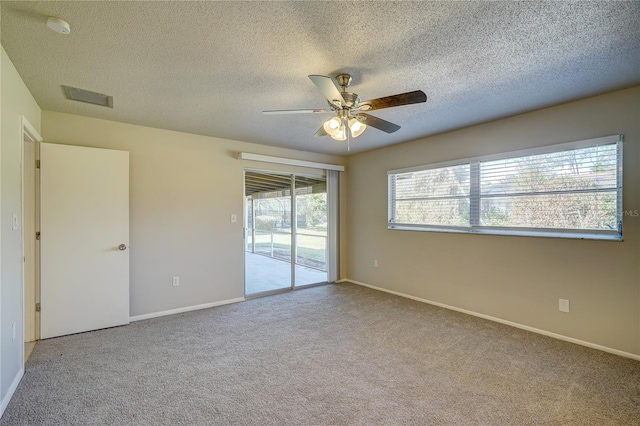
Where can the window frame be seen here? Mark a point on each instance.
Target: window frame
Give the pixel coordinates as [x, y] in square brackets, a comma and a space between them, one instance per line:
[475, 198]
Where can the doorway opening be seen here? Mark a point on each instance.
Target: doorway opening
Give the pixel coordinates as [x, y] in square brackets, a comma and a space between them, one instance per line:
[283, 253]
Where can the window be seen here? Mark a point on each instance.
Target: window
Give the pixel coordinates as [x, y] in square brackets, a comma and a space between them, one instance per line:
[569, 190]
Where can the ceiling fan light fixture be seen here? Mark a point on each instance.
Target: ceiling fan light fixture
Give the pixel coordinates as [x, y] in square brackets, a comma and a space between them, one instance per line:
[341, 134]
[356, 127]
[332, 126]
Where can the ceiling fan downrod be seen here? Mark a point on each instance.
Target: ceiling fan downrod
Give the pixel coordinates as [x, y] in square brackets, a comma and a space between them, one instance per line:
[344, 81]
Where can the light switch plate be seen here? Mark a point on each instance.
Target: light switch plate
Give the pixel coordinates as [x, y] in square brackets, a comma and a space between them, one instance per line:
[563, 305]
[234, 218]
[16, 222]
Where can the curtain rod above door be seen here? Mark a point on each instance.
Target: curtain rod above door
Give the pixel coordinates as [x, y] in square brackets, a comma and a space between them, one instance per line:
[289, 161]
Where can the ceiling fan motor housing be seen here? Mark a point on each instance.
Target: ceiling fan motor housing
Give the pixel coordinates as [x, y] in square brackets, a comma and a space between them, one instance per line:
[351, 99]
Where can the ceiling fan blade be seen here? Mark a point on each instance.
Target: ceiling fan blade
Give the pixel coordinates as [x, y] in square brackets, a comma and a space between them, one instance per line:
[328, 89]
[408, 98]
[379, 123]
[294, 111]
[321, 132]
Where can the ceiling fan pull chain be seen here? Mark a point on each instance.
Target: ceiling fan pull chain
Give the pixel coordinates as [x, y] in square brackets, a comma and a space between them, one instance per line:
[348, 131]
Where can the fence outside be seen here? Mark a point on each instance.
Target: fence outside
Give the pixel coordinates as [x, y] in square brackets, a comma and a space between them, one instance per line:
[311, 248]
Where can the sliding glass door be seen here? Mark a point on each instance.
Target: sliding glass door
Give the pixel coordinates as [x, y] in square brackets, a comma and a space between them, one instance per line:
[282, 253]
[311, 232]
[268, 266]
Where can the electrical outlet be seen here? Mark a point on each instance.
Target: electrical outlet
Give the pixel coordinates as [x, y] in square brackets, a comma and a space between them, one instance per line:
[176, 281]
[563, 305]
[375, 263]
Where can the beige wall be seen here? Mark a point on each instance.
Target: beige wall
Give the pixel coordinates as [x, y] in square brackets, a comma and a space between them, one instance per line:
[16, 101]
[518, 279]
[183, 190]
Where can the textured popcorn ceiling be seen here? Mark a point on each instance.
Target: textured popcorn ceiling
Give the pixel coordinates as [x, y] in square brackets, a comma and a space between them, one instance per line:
[210, 68]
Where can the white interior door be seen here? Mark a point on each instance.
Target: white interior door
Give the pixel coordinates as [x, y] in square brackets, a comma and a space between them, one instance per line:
[84, 224]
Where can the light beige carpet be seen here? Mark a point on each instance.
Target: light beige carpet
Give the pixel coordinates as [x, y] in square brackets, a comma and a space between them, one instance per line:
[333, 355]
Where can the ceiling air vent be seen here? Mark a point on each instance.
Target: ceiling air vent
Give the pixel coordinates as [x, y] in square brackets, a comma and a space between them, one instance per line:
[81, 95]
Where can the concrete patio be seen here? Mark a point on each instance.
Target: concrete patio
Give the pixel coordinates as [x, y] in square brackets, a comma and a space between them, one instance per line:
[263, 273]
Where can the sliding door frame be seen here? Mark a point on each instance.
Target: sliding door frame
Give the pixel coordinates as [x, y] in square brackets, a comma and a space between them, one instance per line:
[294, 229]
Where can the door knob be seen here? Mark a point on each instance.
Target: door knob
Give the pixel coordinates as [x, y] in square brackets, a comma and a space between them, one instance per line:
[122, 247]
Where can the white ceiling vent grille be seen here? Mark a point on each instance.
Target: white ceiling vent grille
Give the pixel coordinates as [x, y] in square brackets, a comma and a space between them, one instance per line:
[81, 95]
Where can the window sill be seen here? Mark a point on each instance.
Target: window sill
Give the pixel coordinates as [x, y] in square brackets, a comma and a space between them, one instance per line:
[511, 232]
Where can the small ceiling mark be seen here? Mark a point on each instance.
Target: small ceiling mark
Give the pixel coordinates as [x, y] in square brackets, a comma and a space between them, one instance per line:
[86, 96]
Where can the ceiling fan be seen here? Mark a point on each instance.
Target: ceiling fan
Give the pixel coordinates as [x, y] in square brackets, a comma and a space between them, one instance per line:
[349, 110]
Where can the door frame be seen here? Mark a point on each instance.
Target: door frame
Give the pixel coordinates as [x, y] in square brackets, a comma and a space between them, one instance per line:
[29, 135]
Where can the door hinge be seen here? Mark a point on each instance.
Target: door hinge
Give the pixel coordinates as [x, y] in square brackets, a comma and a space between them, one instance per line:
[37, 164]
[37, 307]
[38, 235]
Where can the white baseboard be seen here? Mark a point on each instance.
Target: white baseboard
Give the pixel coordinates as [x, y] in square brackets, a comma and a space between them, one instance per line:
[11, 391]
[502, 321]
[185, 309]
